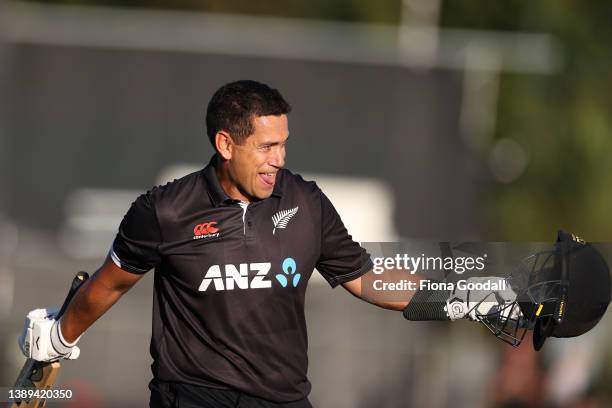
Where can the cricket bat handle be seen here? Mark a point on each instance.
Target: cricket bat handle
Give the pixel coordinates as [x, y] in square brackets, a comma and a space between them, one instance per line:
[78, 280]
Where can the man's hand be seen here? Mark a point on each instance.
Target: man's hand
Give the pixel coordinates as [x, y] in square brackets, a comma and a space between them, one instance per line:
[478, 303]
[42, 338]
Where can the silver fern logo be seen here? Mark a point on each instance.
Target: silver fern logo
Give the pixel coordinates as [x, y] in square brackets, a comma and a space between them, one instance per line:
[282, 218]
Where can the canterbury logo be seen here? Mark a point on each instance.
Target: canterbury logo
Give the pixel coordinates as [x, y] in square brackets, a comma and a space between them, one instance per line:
[282, 218]
[205, 230]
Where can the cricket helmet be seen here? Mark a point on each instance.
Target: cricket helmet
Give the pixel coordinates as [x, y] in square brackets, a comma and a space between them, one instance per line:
[563, 292]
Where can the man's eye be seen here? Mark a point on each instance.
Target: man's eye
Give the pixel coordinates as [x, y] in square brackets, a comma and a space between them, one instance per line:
[265, 148]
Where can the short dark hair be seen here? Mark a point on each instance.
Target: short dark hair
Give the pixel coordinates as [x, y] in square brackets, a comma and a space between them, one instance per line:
[234, 105]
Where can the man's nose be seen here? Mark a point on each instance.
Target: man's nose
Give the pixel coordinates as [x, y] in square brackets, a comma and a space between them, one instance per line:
[278, 157]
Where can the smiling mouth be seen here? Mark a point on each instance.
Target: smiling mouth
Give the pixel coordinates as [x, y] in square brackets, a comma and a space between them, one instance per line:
[268, 179]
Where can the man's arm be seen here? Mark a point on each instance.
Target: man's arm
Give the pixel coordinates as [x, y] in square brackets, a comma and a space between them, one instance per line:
[397, 301]
[95, 297]
[445, 304]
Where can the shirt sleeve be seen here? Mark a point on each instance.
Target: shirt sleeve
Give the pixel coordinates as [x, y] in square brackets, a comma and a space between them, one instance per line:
[136, 246]
[341, 259]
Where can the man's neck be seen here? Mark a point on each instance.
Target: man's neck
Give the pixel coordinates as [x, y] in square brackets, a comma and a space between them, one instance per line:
[226, 182]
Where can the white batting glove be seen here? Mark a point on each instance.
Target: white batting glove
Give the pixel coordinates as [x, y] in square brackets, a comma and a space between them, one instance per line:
[473, 303]
[42, 338]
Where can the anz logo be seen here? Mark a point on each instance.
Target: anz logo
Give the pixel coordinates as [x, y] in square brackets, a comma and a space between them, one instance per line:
[230, 277]
[289, 271]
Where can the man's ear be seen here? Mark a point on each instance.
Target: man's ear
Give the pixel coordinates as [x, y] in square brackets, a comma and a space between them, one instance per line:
[224, 145]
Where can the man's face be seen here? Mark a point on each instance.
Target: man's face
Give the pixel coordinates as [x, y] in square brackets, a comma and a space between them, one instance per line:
[254, 164]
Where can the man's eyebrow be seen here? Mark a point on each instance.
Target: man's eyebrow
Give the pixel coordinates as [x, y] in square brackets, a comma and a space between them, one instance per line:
[264, 143]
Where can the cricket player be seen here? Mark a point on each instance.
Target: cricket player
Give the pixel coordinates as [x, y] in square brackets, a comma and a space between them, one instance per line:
[233, 247]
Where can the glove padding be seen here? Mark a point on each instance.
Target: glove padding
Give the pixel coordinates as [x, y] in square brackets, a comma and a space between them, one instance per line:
[474, 303]
[42, 338]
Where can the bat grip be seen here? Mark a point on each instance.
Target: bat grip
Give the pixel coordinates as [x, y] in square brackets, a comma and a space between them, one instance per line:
[78, 280]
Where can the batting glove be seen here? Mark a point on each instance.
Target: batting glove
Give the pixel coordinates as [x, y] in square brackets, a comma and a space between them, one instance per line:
[467, 300]
[42, 338]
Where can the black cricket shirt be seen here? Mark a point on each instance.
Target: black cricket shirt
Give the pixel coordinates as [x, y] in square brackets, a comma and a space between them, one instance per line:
[230, 279]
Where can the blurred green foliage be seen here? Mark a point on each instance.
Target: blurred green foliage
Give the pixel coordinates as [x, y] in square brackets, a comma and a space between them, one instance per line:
[563, 121]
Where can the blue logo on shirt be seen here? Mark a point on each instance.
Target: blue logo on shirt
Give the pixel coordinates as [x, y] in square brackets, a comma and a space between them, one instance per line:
[289, 269]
